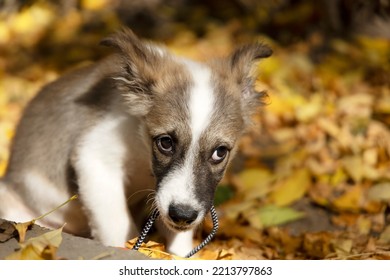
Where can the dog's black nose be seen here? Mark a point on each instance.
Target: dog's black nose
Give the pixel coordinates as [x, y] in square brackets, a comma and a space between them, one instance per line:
[182, 214]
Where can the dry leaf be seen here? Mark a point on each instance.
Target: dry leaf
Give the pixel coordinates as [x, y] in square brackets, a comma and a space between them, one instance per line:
[351, 200]
[385, 236]
[272, 215]
[343, 247]
[22, 229]
[40, 247]
[292, 188]
[153, 250]
[380, 192]
[354, 167]
[254, 183]
[331, 116]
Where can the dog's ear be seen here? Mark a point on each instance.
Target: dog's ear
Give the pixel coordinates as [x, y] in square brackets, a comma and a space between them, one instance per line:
[242, 63]
[137, 71]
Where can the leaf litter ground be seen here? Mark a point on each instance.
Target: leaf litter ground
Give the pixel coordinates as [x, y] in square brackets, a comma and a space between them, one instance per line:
[311, 180]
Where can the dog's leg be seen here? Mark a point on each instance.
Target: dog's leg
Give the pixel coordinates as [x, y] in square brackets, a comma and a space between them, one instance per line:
[102, 193]
[180, 243]
[177, 243]
[99, 167]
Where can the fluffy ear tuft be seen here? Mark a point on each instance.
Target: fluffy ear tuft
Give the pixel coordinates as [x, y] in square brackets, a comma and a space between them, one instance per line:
[249, 53]
[127, 43]
[242, 63]
[137, 72]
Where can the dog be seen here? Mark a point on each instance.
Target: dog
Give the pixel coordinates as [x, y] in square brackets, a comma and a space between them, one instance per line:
[142, 119]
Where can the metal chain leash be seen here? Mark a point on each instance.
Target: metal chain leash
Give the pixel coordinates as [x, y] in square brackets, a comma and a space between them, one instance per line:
[154, 216]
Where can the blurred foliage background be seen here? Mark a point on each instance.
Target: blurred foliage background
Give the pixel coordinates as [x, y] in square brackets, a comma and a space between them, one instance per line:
[312, 176]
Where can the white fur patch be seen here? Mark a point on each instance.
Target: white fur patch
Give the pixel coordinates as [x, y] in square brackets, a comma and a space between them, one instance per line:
[101, 177]
[201, 100]
[180, 243]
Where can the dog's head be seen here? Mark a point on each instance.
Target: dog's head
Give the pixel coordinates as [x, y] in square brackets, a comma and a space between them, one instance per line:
[193, 115]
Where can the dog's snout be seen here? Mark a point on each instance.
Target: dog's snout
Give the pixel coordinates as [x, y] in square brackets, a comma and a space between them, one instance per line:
[182, 214]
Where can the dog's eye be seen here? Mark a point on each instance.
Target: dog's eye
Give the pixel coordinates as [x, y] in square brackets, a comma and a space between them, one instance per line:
[219, 154]
[165, 144]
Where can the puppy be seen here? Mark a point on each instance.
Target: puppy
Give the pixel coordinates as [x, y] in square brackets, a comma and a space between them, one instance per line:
[141, 119]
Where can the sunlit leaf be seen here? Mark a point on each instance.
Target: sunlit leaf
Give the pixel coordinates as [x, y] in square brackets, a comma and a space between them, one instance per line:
[153, 250]
[40, 247]
[385, 236]
[254, 183]
[292, 188]
[272, 215]
[354, 166]
[380, 192]
[22, 229]
[343, 247]
[351, 200]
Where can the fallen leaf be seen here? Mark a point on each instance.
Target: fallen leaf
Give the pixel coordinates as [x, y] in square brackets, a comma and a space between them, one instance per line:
[380, 192]
[342, 247]
[272, 215]
[351, 200]
[317, 245]
[22, 229]
[385, 236]
[95, 5]
[364, 225]
[354, 167]
[254, 183]
[153, 250]
[234, 209]
[311, 110]
[292, 188]
[42, 247]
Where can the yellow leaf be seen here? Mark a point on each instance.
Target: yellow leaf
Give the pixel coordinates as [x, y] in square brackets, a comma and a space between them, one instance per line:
[385, 236]
[364, 225]
[343, 247]
[206, 254]
[338, 177]
[3, 167]
[354, 167]
[22, 229]
[40, 247]
[311, 110]
[5, 34]
[94, 5]
[380, 192]
[292, 188]
[350, 200]
[272, 215]
[153, 250]
[224, 255]
[233, 209]
[254, 183]
[29, 25]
